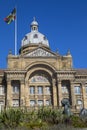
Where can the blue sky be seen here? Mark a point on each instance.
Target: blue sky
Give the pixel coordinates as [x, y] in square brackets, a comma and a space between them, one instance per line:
[64, 22]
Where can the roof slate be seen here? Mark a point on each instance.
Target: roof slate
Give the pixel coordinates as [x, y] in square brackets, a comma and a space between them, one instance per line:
[81, 71]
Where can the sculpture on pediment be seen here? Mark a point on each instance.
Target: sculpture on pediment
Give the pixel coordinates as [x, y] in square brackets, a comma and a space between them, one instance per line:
[39, 78]
[40, 52]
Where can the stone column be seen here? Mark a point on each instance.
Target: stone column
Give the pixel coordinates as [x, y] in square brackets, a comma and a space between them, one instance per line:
[84, 95]
[54, 92]
[44, 93]
[9, 94]
[27, 93]
[73, 100]
[22, 93]
[59, 93]
[36, 96]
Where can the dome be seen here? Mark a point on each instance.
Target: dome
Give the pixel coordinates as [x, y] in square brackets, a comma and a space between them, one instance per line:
[34, 23]
[34, 37]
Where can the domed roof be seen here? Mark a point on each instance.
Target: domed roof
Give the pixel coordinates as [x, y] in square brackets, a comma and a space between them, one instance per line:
[34, 37]
[34, 22]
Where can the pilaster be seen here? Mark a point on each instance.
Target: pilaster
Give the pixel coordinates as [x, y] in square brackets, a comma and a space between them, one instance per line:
[54, 93]
[44, 99]
[9, 93]
[22, 93]
[73, 100]
[27, 93]
[84, 95]
[59, 93]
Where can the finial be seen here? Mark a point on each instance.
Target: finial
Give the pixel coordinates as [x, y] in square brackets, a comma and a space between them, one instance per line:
[34, 18]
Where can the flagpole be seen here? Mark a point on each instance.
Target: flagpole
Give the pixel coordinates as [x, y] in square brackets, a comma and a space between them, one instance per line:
[16, 33]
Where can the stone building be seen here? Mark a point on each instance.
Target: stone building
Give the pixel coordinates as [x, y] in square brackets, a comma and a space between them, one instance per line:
[41, 77]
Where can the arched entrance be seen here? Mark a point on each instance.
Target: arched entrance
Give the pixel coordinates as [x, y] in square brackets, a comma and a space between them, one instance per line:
[40, 89]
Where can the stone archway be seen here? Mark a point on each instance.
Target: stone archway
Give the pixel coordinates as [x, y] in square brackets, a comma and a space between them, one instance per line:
[39, 84]
[40, 89]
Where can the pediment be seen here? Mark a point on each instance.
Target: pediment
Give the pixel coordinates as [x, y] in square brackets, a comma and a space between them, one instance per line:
[40, 53]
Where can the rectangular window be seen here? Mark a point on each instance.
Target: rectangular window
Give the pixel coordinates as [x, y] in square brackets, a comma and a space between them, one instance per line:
[64, 89]
[15, 102]
[1, 103]
[40, 102]
[32, 90]
[48, 102]
[77, 89]
[32, 102]
[2, 90]
[15, 89]
[40, 90]
[48, 90]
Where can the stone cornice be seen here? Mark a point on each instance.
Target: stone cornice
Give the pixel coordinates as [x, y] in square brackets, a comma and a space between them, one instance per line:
[15, 71]
[66, 72]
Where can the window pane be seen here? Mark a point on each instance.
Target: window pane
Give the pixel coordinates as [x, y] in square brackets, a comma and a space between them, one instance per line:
[15, 89]
[64, 89]
[77, 90]
[32, 90]
[40, 90]
[40, 102]
[48, 102]
[32, 102]
[79, 102]
[2, 90]
[1, 103]
[48, 90]
[15, 102]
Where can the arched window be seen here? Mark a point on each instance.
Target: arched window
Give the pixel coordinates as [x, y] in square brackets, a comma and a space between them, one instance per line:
[35, 36]
[44, 38]
[39, 78]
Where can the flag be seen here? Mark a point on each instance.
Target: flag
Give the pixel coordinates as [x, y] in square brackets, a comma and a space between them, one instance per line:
[11, 17]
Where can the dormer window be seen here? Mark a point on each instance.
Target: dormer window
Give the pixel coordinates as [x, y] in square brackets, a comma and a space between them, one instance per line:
[44, 38]
[35, 36]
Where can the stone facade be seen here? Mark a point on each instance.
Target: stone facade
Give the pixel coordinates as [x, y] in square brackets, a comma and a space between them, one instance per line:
[39, 77]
